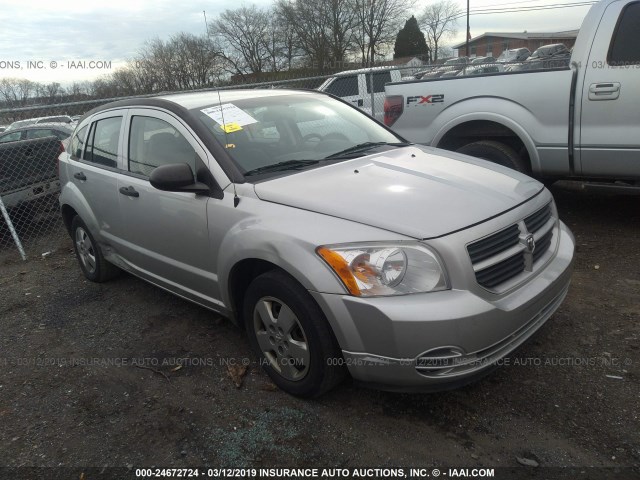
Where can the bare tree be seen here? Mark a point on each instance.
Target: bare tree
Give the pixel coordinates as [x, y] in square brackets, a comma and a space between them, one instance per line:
[309, 29]
[158, 61]
[53, 92]
[198, 61]
[439, 20]
[343, 20]
[79, 90]
[324, 28]
[183, 62]
[377, 26]
[245, 34]
[17, 91]
[289, 50]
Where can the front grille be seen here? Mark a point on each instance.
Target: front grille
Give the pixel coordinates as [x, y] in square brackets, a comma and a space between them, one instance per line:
[537, 220]
[542, 245]
[505, 254]
[501, 271]
[494, 244]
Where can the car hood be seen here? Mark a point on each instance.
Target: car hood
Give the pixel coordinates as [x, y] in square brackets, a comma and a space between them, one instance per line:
[421, 192]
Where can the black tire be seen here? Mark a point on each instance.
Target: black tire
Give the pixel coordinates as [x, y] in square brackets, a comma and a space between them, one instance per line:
[496, 152]
[101, 270]
[275, 291]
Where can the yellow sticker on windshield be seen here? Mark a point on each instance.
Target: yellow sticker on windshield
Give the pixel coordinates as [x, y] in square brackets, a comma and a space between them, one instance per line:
[230, 127]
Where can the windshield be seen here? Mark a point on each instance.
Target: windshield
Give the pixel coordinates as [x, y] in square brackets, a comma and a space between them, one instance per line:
[508, 55]
[291, 131]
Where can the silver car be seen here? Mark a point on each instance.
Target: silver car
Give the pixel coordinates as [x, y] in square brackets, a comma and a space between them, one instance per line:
[339, 247]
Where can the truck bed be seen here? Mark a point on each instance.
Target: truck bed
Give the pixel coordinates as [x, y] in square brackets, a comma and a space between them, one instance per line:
[535, 101]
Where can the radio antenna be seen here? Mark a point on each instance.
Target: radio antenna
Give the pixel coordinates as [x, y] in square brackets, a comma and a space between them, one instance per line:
[236, 199]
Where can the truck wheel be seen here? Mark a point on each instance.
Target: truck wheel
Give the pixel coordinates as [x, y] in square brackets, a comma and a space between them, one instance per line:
[89, 255]
[496, 152]
[289, 332]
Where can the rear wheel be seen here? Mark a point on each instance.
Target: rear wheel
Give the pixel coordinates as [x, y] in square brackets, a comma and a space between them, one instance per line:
[89, 255]
[496, 152]
[292, 336]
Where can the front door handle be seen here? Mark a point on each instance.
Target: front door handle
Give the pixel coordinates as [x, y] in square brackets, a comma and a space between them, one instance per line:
[604, 91]
[79, 176]
[129, 191]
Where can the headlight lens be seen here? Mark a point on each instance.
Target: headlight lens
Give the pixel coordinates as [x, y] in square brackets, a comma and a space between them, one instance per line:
[387, 269]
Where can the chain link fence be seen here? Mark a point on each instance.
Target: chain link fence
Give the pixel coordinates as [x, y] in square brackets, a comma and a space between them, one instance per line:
[29, 148]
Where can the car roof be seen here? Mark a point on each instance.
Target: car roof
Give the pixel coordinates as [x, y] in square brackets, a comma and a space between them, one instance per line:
[191, 100]
[181, 103]
[202, 99]
[37, 126]
[552, 45]
[364, 70]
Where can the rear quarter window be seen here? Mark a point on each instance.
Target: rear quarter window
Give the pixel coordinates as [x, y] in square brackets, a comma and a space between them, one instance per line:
[77, 143]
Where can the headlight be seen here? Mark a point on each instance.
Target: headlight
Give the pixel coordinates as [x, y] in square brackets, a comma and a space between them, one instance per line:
[385, 269]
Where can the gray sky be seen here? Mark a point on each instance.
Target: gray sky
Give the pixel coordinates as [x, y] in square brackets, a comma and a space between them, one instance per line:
[113, 31]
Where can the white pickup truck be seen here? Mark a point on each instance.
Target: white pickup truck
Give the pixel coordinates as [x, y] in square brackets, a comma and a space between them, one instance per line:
[364, 88]
[578, 122]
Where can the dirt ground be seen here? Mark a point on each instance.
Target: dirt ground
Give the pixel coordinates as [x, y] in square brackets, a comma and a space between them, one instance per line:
[125, 374]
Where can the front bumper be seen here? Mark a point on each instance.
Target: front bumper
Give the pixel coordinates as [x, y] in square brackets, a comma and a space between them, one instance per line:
[440, 340]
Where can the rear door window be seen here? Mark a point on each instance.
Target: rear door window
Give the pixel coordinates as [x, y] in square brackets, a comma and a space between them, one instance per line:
[380, 79]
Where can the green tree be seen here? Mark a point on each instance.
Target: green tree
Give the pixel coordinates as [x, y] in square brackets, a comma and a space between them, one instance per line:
[410, 41]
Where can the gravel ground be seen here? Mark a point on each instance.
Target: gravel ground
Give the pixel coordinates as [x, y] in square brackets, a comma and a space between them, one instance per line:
[125, 374]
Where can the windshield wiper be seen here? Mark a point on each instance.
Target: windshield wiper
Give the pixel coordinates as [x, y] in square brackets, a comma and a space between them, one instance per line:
[362, 147]
[281, 166]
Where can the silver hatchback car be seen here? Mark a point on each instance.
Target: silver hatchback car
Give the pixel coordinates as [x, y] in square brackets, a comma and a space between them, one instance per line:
[338, 246]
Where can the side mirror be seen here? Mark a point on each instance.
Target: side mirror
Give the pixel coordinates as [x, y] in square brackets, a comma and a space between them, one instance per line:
[176, 177]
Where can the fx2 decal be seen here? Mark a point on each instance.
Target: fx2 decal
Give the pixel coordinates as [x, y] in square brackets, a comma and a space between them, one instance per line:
[429, 99]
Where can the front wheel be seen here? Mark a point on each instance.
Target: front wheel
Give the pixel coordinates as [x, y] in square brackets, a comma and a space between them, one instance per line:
[496, 152]
[292, 336]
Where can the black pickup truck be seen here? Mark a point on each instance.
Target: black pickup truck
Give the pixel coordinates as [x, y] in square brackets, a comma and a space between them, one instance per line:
[29, 171]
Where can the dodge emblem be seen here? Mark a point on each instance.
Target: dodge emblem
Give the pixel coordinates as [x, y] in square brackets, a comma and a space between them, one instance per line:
[530, 243]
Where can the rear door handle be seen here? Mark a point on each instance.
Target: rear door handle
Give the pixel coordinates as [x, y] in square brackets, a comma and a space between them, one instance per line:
[79, 176]
[604, 91]
[129, 192]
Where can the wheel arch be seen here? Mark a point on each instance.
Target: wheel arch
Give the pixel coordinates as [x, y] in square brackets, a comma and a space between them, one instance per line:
[240, 276]
[72, 203]
[68, 212]
[487, 126]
